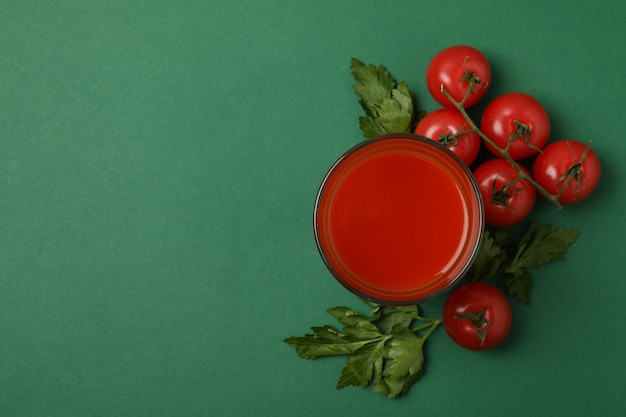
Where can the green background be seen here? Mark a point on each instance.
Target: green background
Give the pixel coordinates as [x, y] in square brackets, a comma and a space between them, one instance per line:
[159, 162]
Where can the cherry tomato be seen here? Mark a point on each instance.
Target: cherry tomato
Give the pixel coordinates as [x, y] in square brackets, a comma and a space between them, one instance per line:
[443, 125]
[567, 167]
[517, 118]
[453, 68]
[477, 316]
[508, 199]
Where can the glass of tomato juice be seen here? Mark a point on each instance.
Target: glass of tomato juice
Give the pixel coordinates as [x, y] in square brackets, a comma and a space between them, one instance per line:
[398, 219]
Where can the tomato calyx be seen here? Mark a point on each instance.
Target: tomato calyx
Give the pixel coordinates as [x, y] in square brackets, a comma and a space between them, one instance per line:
[573, 173]
[521, 130]
[501, 196]
[470, 77]
[448, 138]
[479, 321]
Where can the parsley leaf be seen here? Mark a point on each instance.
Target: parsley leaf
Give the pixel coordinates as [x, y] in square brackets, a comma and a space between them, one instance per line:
[542, 245]
[392, 316]
[388, 108]
[362, 366]
[355, 324]
[325, 341]
[404, 365]
[499, 255]
[488, 260]
[382, 349]
[537, 247]
[519, 286]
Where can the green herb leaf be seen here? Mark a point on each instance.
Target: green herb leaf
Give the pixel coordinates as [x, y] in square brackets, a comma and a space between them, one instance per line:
[488, 260]
[519, 286]
[503, 238]
[393, 316]
[543, 245]
[370, 127]
[404, 366]
[382, 350]
[537, 247]
[388, 108]
[500, 256]
[362, 366]
[355, 324]
[326, 341]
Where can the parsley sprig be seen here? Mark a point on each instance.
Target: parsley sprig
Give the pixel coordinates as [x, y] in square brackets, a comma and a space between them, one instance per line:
[388, 107]
[384, 349]
[500, 256]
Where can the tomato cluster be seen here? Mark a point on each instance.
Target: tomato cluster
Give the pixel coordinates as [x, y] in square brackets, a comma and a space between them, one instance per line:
[515, 131]
[515, 128]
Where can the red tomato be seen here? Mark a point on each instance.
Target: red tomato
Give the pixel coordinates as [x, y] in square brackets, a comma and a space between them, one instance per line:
[567, 167]
[518, 119]
[508, 199]
[443, 125]
[453, 68]
[477, 316]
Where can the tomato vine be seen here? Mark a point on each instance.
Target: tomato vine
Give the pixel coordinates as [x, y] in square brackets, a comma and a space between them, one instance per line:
[553, 198]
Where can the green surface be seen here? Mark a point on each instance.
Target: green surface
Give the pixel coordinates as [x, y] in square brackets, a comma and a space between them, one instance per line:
[159, 162]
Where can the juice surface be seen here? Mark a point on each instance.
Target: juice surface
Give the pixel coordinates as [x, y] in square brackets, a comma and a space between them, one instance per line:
[396, 220]
[394, 223]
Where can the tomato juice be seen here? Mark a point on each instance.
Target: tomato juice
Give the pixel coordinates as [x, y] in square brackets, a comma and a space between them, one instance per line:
[398, 219]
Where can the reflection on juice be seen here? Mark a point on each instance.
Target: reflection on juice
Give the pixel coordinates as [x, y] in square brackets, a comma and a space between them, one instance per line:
[398, 219]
